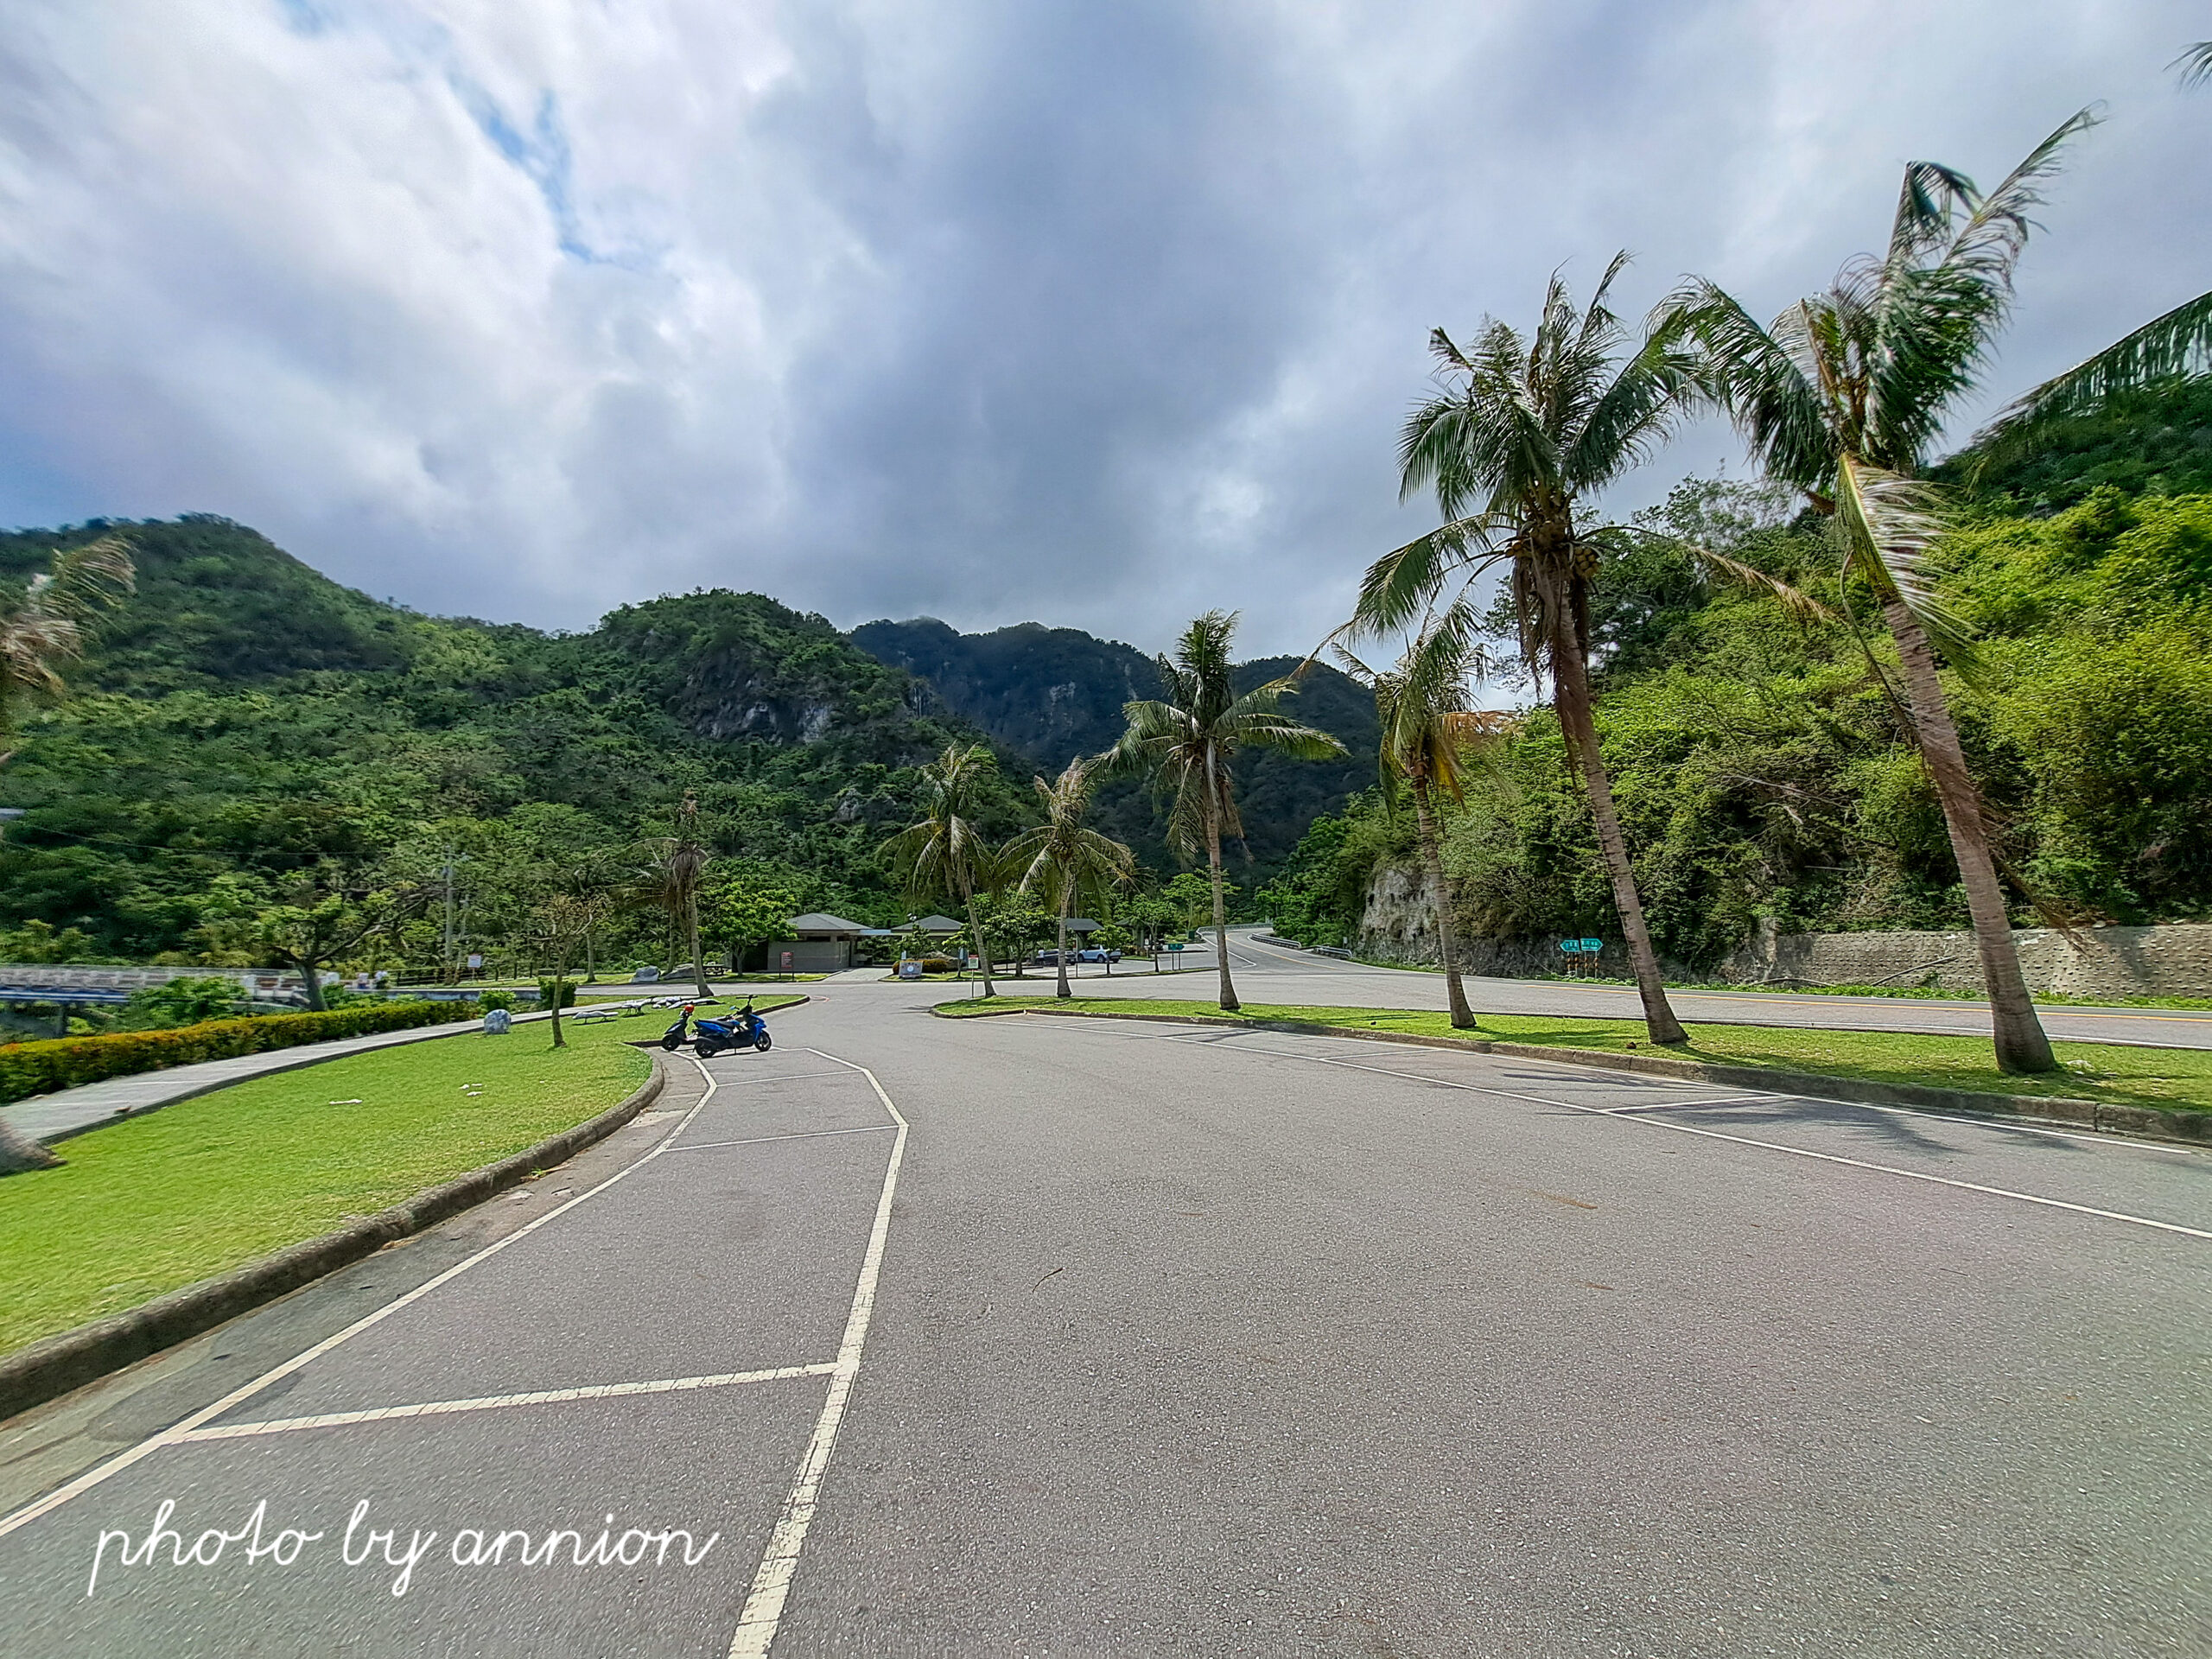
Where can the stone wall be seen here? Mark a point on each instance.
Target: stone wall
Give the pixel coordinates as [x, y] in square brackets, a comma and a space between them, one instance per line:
[2173, 959]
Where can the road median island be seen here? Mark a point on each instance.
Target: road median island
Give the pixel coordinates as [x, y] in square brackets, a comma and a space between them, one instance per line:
[162, 1226]
[2121, 1089]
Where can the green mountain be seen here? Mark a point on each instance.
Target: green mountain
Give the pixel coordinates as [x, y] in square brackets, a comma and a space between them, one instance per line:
[244, 723]
[1051, 694]
[246, 729]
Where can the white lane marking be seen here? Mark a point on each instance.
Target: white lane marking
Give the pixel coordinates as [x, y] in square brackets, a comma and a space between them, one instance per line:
[763, 1139]
[1628, 1115]
[1718, 1100]
[176, 1432]
[500, 1402]
[764, 1607]
[787, 1076]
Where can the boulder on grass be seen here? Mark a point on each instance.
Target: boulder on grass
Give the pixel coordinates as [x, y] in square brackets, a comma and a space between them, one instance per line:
[18, 1152]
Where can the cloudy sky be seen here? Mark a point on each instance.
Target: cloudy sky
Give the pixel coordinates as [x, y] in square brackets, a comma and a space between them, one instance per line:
[988, 309]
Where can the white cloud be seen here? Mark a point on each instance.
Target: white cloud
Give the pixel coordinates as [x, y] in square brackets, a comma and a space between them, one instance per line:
[978, 310]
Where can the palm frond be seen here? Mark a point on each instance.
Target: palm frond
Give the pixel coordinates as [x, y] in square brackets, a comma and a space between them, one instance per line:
[1889, 523]
[52, 624]
[83, 581]
[2178, 344]
[1768, 393]
[1991, 240]
[1646, 399]
[1801, 605]
[1929, 202]
[1405, 581]
[2195, 64]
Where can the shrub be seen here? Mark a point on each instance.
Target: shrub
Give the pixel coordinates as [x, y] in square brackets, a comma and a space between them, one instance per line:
[490, 1000]
[545, 994]
[937, 964]
[64, 1062]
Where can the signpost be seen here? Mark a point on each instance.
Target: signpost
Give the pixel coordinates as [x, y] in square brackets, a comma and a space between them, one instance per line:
[1578, 952]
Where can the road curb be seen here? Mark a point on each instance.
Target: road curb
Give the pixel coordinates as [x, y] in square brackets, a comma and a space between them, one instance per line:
[72, 1359]
[2194, 1128]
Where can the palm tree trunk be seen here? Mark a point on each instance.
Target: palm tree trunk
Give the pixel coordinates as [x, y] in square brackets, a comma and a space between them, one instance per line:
[691, 931]
[2018, 1034]
[1229, 1002]
[1571, 697]
[1061, 955]
[982, 949]
[1463, 1017]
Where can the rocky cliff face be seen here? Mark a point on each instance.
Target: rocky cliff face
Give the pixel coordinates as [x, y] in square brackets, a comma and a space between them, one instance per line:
[1398, 924]
[741, 668]
[1399, 921]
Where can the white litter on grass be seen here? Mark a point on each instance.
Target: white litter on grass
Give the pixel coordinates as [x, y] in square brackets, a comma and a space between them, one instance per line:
[347, 1102]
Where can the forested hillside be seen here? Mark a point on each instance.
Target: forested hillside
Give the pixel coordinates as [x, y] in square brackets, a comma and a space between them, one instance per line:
[1049, 694]
[248, 738]
[1761, 762]
[247, 732]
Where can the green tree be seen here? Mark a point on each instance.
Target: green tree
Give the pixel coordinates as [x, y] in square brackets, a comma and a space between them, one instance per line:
[564, 921]
[1840, 397]
[1190, 897]
[749, 902]
[47, 626]
[1427, 731]
[1015, 923]
[945, 852]
[315, 926]
[1524, 428]
[1065, 859]
[1188, 742]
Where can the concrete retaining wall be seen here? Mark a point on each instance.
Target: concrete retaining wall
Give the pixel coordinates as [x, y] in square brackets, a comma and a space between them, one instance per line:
[2171, 959]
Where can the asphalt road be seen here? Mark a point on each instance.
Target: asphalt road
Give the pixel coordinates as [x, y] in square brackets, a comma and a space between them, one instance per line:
[1188, 1341]
[1271, 974]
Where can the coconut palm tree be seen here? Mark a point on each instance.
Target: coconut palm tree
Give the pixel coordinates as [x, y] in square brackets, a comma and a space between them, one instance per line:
[676, 866]
[1064, 860]
[944, 853]
[1427, 735]
[1524, 428]
[47, 626]
[2195, 64]
[1188, 741]
[1840, 397]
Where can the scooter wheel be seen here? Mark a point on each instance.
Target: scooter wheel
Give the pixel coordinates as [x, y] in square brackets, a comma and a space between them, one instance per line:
[761, 1042]
[671, 1044]
[707, 1051]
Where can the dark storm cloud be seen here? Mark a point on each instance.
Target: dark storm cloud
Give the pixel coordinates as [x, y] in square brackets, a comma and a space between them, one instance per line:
[1096, 315]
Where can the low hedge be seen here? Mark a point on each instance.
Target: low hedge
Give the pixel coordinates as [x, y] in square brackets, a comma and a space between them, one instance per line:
[28, 1069]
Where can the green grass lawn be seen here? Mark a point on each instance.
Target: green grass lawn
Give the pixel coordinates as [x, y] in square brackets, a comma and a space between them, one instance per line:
[1926, 993]
[2109, 1072]
[160, 1201]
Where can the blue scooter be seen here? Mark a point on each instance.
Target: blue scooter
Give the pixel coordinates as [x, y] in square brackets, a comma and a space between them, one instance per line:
[744, 1029]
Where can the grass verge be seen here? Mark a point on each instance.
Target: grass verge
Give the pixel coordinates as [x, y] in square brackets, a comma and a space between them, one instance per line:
[1925, 993]
[158, 1202]
[2108, 1072]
